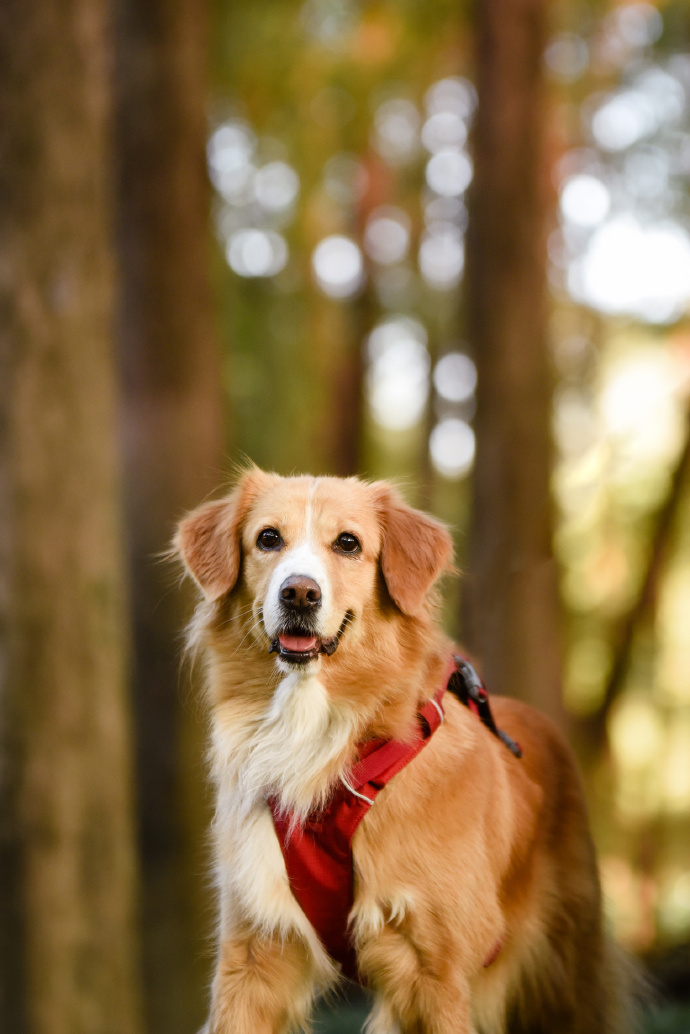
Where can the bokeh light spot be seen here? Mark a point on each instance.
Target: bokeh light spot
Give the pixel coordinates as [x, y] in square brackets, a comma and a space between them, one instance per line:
[455, 377]
[566, 57]
[454, 95]
[622, 120]
[396, 131]
[229, 152]
[636, 733]
[276, 186]
[338, 266]
[449, 172]
[643, 271]
[387, 235]
[585, 200]
[442, 256]
[452, 447]
[444, 129]
[639, 24]
[398, 376]
[256, 253]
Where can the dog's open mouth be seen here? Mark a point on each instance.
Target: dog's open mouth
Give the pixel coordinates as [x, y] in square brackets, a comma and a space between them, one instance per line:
[299, 645]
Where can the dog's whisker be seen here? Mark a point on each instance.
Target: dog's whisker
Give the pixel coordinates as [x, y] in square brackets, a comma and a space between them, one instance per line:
[244, 638]
[242, 614]
[247, 615]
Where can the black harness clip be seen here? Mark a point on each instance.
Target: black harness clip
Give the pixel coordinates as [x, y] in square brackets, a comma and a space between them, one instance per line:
[466, 685]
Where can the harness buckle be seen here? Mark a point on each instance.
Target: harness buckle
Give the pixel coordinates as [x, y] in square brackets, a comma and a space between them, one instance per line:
[467, 686]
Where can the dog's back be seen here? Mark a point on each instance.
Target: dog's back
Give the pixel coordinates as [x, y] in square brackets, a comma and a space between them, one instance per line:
[582, 982]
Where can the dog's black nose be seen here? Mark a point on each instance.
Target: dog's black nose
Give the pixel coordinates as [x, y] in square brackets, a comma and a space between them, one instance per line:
[300, 593]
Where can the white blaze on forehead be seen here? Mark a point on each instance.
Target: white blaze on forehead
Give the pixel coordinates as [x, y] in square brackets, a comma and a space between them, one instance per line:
[300, 559]
[310, 501]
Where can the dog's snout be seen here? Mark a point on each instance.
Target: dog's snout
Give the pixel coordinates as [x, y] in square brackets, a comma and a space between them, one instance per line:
[300, 592]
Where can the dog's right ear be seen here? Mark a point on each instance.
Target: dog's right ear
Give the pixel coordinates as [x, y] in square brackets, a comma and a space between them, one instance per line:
[415, 549]
[208, 541]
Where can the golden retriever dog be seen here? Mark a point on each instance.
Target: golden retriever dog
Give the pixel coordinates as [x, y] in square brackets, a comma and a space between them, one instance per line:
[474, 896]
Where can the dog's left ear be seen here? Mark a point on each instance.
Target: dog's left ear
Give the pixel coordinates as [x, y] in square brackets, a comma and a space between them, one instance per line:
[415, 550]
[208, 539]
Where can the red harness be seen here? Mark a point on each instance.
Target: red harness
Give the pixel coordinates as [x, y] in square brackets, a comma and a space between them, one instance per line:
[318, 852]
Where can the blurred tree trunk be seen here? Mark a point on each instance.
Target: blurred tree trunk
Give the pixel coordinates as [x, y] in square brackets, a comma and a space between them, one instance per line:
[345, 384]
[172, 420]
[511, 603]
[68, 953]
[642, 610]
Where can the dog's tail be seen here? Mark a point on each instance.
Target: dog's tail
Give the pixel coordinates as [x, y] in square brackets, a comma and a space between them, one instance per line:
[631, 991]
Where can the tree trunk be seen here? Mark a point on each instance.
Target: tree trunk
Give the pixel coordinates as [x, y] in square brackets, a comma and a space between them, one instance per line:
[511, 603]
[172, 419]
[68, 959]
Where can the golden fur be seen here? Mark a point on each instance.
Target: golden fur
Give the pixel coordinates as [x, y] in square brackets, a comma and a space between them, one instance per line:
[466, 847]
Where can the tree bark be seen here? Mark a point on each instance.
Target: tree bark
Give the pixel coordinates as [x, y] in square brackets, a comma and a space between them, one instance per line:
[511, 603]
[68, 954]
[172, 420]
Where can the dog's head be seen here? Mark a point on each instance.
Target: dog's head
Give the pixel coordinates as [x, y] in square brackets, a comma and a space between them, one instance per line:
[310, 558]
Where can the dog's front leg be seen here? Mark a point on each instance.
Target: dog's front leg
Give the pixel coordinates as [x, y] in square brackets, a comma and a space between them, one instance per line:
[263, 985]
[415, 994]
[429, 1016]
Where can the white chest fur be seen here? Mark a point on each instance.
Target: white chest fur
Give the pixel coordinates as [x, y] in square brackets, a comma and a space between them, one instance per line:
[291, 751]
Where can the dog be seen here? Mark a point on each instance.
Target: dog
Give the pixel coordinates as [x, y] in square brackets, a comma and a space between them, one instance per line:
[475, 905]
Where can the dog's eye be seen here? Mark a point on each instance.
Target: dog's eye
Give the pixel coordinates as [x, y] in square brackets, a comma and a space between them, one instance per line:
[269, 538]
[347, 543]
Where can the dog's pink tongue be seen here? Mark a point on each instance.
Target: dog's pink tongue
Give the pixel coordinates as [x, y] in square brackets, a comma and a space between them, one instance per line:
[297, 643]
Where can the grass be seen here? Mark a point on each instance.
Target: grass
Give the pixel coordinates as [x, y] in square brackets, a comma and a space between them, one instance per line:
[670, 1019]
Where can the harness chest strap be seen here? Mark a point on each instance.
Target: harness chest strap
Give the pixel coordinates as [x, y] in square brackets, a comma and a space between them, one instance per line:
[318, 852]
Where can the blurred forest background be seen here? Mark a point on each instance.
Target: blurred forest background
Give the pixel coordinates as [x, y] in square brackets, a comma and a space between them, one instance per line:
[444, 243]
